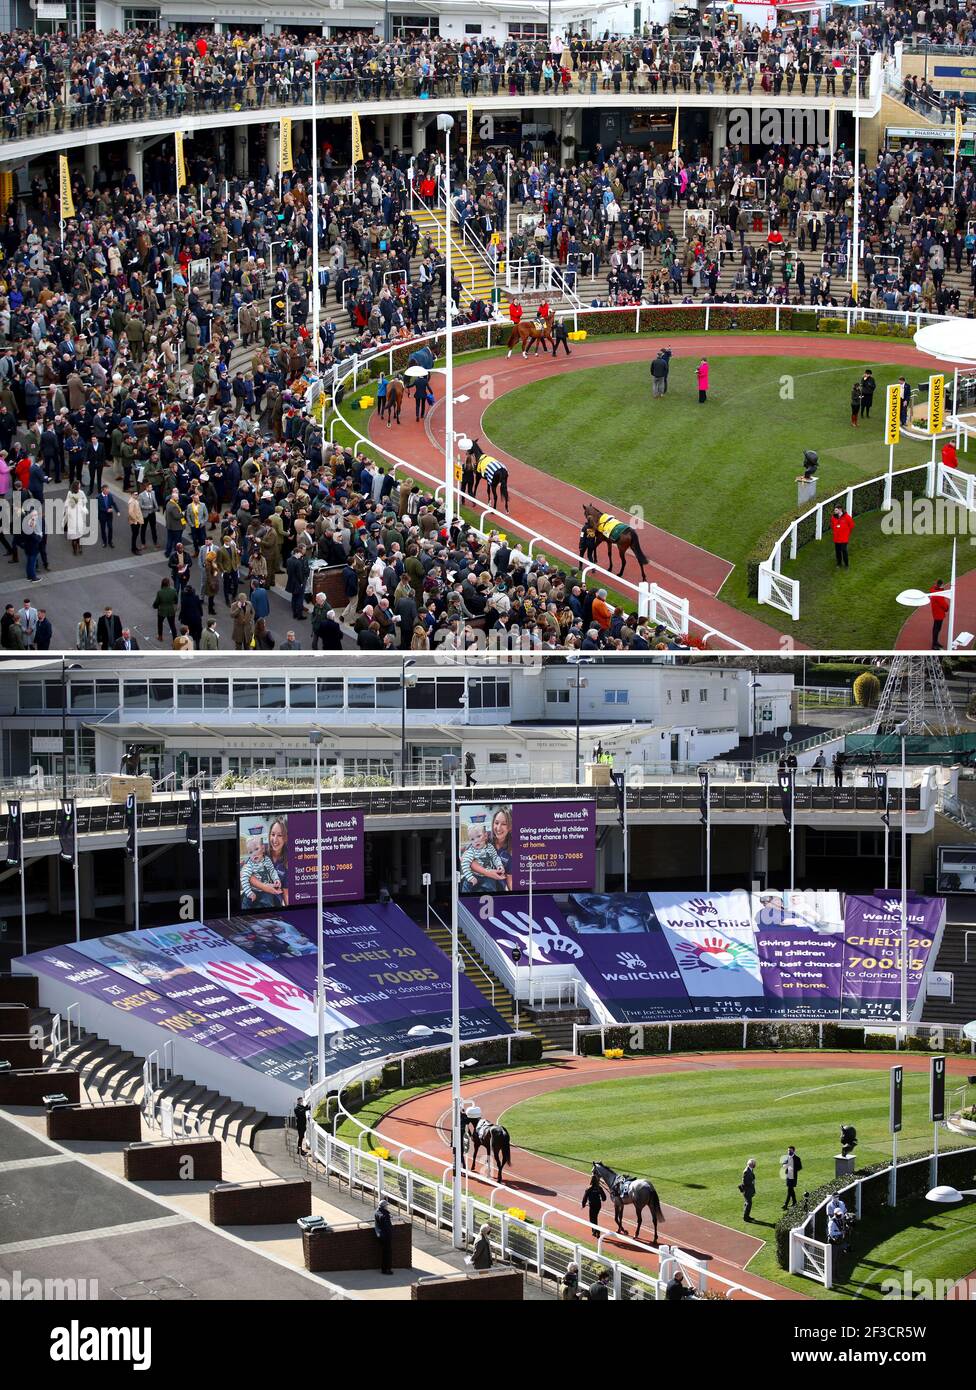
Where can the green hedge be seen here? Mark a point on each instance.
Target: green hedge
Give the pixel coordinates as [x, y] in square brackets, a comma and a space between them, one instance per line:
[866, 499]
[651, 1039]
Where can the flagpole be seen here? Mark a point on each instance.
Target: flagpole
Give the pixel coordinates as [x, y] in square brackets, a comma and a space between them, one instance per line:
[445, 123]
[708, 834]
[952, 600]
[855, 249]
[74, 830]
[135, 860]
[200, 846]
[23, 898]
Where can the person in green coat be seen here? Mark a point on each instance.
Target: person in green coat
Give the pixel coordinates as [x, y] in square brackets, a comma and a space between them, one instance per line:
[166, 603]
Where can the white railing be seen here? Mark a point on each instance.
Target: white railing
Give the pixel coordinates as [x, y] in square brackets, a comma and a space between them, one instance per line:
[681, 1032]
[530, 1243]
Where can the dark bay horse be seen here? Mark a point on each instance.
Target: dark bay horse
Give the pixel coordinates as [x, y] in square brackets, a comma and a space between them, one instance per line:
[535, 333]
[394, 399]
[616, 533]
[630, 1192]
[493, 1138]
[478, 465]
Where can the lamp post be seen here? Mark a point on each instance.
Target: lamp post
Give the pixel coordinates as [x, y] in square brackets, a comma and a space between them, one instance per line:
[508, 220]
[446, 124]
[902, 730]
[579, 661]
[855, 258]
[312, 56]
[315, 739]
[65, 668]
[451, 764]
[405, 664]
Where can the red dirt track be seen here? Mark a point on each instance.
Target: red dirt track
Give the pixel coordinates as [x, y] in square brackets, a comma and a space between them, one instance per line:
[547, 506]
[424, 1123]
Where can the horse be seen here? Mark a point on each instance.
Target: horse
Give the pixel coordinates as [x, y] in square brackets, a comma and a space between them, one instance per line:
[394, 399]
[493, 1138]
[630, 1192]
[537, 332]
[616, 533]
[478, 465]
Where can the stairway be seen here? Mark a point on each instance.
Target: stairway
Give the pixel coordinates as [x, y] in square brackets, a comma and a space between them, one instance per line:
[110, 1073]
[476, 279]
[951, 958]
[492, 988]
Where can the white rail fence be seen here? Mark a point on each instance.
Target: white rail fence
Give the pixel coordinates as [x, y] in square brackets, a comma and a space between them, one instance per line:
[653, 602]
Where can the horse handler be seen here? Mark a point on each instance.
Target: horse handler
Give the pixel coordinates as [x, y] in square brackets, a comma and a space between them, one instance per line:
[593, 1200]
[560, 334]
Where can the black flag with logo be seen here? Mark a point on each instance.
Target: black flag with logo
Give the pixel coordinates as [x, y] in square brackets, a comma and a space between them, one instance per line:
[15, 835]
[881, 788]
[703, 777]
[67, 830]
[937, 1075]
[130, 825]
[894, 1099]
[786, 796]
[194, 826]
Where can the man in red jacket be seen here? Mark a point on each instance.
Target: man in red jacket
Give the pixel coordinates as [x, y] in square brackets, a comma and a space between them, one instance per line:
[939, 605]
[841, 524]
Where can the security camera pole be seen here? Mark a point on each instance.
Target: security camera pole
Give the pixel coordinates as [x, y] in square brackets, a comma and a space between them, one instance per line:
[446, 124]
[451, 764]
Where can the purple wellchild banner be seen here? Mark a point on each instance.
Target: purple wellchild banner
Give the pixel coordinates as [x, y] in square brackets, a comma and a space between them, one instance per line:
[500, 841]
[653, 957]
[278, 858]
[245, 986]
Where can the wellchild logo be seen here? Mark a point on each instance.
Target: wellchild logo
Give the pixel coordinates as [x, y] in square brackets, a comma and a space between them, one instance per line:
[629, 961]
[702, 907]
[77, 1343]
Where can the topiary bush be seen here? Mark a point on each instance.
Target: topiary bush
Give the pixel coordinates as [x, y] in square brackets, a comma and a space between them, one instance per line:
[867, 690]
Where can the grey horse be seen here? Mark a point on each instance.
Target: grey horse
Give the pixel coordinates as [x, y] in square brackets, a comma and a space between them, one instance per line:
[630, 1192]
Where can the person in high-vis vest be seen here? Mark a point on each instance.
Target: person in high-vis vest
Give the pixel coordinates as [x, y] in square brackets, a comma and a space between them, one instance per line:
[196, 518]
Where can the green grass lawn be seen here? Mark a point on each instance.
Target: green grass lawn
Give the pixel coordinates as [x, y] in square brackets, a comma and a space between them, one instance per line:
[722, 475]
[691, 1134]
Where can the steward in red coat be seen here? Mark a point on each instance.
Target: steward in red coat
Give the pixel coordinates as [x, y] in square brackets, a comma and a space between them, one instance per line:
[939, 604]
[841, 524]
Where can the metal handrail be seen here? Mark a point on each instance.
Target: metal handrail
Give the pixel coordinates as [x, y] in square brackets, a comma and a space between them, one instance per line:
[473, 959]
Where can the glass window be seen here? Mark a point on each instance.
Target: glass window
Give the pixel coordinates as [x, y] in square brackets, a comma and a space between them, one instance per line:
[450, 693]
[216, 694]
[161, 694]
[703, 693]
[301, 694]
[387, 694]
[423, 695]
[686, 697]
[272, 694]
[190, 694]
[329, 694]
[81, 695]
[32, 695]
[362, 694]
[245, 694]
[557, 697]
[52, 694]
[106, 694]
[135, 694]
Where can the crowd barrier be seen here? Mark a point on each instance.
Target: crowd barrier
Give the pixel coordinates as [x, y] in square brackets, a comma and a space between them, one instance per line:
[807, 1033]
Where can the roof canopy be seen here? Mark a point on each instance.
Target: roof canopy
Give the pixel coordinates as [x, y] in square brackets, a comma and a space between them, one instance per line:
[952, 341]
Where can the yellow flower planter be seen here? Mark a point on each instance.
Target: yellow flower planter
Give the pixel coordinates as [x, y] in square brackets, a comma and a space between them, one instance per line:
[578, 336]
[613, 1054]
[366, 402]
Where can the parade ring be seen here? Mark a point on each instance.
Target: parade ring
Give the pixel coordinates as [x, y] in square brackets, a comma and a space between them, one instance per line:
[684, 543]
[689, 1146]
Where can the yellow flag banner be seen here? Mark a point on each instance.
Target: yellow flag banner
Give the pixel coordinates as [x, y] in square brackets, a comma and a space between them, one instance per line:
[180, 160]
[893, 414]
[674, 142]
[285, 161]
[958, 137]
[357, 139]
[470, 115]
[936, 402]
[67, 202]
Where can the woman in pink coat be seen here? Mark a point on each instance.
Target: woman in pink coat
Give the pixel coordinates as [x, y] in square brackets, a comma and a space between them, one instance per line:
[702, 380]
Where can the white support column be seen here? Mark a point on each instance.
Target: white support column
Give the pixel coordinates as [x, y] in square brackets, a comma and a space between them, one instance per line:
[396, 132]
[419, 136]
[240, 151]
[133, 158]
[90, 157]
[720, 128]
[271, 151]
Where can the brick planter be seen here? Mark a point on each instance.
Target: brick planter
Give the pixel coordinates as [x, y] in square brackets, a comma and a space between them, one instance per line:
[95, 1122]
[19, 989]
[19, 1052]
[30, 1086]
[14, 1020]
[165, 1160]
[355, 1247]
[260, 1203]
[493, 1285]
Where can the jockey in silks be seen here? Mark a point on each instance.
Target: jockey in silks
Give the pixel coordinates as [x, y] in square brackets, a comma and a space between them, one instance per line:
[495, 475]
[543, 315]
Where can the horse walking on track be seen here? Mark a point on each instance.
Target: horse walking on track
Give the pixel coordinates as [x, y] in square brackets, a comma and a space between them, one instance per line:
[616, 533]
[478, 465]
[535, 334]
[394, 399]
[630, 1192]
[493, 1138]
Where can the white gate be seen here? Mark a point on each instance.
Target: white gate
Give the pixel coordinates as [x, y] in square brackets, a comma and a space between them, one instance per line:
[778, 590]
[811, 1258]
[658, 606]
[956, 486]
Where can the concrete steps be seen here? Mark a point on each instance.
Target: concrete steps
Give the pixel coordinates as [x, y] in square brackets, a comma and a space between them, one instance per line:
[110, 1073]
[476, 279]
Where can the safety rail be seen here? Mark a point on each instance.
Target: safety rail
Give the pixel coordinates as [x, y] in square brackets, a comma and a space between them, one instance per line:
[467, 960]
[463, 265]
[934, 1033]
[532, 1244]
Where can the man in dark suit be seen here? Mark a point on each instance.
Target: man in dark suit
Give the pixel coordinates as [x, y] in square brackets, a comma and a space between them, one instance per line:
[126, 643]
[107, 510]
[108, 631]
[747, 1187]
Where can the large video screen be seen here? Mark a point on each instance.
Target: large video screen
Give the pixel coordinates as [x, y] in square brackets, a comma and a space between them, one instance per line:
[277, 858]
[502, 843]
[654, 957]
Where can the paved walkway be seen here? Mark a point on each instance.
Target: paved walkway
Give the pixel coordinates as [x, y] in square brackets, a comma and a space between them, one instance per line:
[548, 506]
[916, 632]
